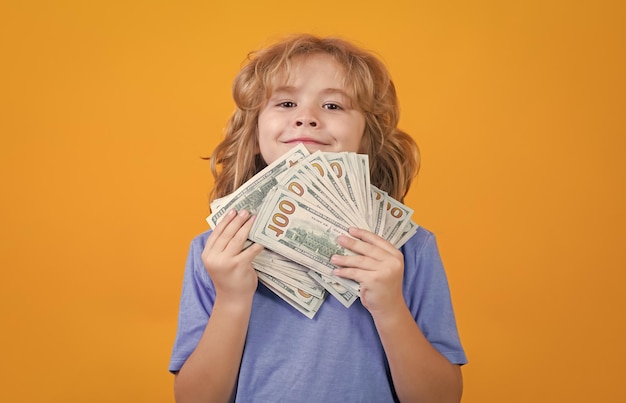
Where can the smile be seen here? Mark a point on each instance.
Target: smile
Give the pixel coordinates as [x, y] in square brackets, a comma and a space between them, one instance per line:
[305, 140]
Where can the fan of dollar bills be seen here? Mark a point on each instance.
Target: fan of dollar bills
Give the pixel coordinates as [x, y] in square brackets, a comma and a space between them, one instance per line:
[303, 202]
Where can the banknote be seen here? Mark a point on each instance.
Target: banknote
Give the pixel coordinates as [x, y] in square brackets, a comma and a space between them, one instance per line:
[217, 203]
[363, 162]
[407, 232]
[337, 289]
[251, 194]
[303, 202]
[360, 167]
[379, 213]
[340, 165]
[303, 302]
[298, 181]
[320, 170]
[286, 272]
[287, 225]
[398, 216]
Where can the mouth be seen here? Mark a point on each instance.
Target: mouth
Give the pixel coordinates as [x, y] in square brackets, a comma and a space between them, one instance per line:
[306, 141]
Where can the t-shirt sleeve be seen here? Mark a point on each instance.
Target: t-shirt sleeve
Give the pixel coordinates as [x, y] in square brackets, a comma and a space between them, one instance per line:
[428, 295]
[196, 304]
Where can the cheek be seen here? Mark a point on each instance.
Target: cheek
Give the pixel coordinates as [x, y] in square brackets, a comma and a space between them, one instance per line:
[261, 127]
[267, 127]
[264, 120]
[364, 145]
[362, 139]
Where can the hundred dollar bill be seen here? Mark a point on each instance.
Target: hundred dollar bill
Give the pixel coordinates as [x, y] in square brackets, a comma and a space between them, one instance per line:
[303, 302]
[286, 272]
[289, 226]
[298, 181]
[407, 232]
[298, 279]
[379, 213]
[319, 169]
[398, 216]
[322, 195]
[344, 294]
[340, 165]
[251, 194]
[217, 203]
[362, 162]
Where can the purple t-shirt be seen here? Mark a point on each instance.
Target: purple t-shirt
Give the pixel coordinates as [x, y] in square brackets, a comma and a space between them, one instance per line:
[335, 357]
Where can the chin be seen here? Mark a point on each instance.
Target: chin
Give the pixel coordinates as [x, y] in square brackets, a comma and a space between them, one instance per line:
[312, 147]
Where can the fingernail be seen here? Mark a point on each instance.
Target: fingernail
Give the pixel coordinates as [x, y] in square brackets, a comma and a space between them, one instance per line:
[243, 213]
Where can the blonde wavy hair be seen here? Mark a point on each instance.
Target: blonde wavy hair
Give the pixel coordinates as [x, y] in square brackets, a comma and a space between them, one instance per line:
[393, 155]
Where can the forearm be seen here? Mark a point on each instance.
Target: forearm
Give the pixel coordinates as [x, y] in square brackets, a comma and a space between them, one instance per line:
[419, 372]
[210, 372]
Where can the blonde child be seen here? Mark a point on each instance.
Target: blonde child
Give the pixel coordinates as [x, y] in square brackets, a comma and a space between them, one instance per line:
[237, 340]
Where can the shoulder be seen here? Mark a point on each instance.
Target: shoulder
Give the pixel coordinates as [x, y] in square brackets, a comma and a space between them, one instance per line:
[195, 267]
[200, 239]
[197, 244]
[422, 241]
[422, 261]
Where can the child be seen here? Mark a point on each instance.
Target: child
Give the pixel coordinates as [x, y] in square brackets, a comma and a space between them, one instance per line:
[237, 340]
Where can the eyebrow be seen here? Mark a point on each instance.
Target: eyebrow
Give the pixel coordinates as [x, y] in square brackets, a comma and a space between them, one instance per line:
[327, 91]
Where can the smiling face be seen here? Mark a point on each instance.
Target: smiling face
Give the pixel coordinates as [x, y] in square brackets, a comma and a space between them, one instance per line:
[311, 107]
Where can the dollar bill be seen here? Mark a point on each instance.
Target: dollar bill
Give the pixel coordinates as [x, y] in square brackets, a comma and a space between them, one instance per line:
[251, 194]
[379, 213]
[360, 170]
[303, 202]
[337, 289]
[303, 302]
[407, 232]
[298, 181]
[320, 170]
[289, 226]
[340, 165]
[398, 216]
[286, 272]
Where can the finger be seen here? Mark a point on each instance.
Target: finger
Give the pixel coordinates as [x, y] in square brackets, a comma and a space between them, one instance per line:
[372, 238]
[362, 248]
[238, 239]
[351, 273]
[354, 261]
[252, 251]
[228, 228]
[213, 241]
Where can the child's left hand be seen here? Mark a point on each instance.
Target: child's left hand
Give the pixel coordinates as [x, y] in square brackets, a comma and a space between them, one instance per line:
[378, 267]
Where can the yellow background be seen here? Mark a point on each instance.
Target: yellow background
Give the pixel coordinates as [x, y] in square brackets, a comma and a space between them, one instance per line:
[107, 106]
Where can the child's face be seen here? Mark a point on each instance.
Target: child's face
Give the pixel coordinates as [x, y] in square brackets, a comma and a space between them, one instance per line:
[313, 107]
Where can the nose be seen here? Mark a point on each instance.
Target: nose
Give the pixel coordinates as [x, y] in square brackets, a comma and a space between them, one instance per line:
[303, 122]
[306, 117]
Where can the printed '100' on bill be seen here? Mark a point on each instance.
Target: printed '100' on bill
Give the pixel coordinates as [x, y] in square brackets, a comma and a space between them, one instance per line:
[291, 227]
[251, 194]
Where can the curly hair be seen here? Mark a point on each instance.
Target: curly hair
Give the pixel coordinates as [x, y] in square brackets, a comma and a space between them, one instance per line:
[393, 155]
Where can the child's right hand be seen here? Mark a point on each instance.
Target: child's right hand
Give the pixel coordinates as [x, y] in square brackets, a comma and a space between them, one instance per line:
[228, 265]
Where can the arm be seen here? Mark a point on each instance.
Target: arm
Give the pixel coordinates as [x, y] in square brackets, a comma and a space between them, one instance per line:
[210, 372]
[419, 371]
